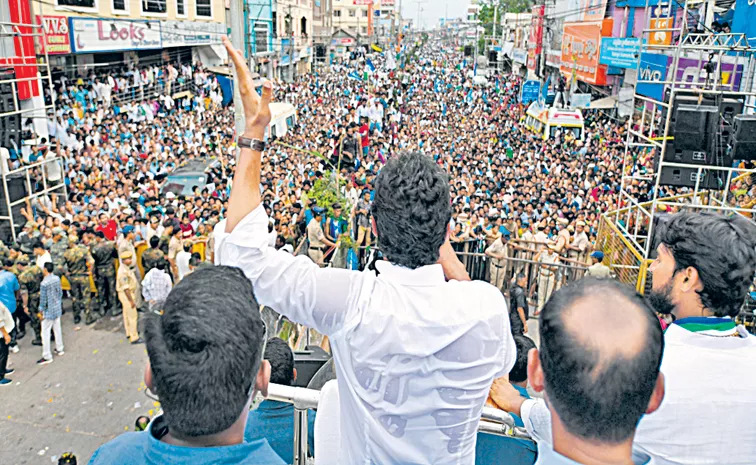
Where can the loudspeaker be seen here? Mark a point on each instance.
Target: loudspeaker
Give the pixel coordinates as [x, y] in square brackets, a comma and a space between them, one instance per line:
[493, 56]
[672, 154]
[468, 50]
[695, 127]
[307, 363]
[661, 220]
[743, 137]
[686, 177]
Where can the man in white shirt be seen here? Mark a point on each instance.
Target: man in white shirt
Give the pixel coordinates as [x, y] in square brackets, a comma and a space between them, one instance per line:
[182, 260]
[701, 275]
[414, 354]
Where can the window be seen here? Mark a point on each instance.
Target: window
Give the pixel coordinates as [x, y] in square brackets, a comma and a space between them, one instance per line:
[119, 5]
[78, 3]
[337, 13]
[364, 29]
[352, 13]
[204, 7]
[180, 8]
[154, 6]
[261, 37]
[364, 13]
[303, 26]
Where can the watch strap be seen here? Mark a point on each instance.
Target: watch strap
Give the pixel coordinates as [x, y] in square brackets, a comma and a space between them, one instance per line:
[253, 144]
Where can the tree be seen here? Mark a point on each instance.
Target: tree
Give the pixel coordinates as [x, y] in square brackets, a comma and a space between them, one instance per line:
[488, 7]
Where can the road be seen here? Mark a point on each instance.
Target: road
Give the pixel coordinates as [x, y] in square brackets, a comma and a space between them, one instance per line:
[84, 398]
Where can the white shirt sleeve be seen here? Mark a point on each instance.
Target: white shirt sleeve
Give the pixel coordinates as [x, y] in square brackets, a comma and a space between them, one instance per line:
[323, 299]
[537, 419]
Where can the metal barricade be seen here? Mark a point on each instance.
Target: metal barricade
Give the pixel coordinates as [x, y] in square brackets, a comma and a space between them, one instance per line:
[493, 421]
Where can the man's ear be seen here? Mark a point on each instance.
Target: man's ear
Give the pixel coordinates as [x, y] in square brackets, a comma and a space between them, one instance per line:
[691, 280]
[148, 381]
[535, 371]
[657, 395]
[263, 378]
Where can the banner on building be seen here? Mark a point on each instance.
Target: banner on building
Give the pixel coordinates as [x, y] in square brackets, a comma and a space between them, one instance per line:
[661, 37]
[535, 41]
[56, 40]
[530, 92]
[581, 44]
[388, 2]
[190, 33]
[652, 67]
[593, 10]
[744, 21]
[520, 56]
[620, 52]
[89, 35]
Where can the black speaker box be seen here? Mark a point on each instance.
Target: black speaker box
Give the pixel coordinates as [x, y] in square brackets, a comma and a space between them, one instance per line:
[743, 150]
[307, 363]
[493, 56]
[695, 127]
[468, 50]
[744, 128]
[686, 177]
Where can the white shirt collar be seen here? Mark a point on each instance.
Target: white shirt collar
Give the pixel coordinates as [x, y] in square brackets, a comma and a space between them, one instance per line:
[429, 275]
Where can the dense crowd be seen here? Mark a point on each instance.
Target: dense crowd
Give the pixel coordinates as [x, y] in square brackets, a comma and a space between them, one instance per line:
[116, 138]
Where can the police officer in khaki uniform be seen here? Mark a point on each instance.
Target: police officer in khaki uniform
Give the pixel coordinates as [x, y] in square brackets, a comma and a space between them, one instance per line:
[497, 271]
[315, 235]
[126, 285]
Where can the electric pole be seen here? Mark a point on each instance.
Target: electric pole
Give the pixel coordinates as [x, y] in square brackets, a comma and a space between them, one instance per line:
[237, 39]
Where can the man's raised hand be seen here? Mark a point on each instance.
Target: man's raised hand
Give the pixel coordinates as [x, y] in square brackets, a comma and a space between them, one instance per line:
[256, 109]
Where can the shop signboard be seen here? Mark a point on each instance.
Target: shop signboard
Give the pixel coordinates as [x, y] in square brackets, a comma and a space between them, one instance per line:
[652, 67]
[520, 56]
[581, 44]
[90, 35]
[620, 52]
[56, 40]
[530, 92]
[190, 33]
[593, 10]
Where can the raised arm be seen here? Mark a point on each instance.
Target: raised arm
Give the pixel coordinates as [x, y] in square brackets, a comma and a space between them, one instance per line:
[295, 286]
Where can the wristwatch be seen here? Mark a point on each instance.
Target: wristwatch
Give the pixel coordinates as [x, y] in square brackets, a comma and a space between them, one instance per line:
[254, 144]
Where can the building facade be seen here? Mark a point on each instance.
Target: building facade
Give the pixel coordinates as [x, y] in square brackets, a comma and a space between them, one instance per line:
[293, 27]
[91, 34]
[261, 35]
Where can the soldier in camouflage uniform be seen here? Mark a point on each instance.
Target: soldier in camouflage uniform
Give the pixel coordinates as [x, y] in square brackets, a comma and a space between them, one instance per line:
[30, 280]
[58, 249]
[152, 256]
[105, 254]
[78, 263]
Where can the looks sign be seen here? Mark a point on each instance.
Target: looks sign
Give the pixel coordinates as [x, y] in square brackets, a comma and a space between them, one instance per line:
[96, 35]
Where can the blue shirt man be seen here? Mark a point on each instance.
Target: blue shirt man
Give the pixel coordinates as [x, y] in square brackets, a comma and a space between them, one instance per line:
[8, 288]
[274, 420]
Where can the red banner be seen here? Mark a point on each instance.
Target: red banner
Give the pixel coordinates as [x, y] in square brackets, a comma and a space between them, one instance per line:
[57, 40]
[535, 40]
[24, 62]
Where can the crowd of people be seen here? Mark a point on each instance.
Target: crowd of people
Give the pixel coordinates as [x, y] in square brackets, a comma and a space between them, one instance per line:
[114, 144]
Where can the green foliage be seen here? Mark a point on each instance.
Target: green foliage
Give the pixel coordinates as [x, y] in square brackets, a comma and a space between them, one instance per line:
[328, 190]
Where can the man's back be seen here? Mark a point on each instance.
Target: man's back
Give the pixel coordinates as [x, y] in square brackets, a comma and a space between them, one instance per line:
[415, 355]
[709, 411]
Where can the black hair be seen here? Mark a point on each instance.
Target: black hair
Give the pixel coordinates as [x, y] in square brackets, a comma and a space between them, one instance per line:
[204, 369]
[281, 359]
[519, 371]
[49, 267]
[187, 247]
[100, 234]
[412, 209]
[723, 251]
[154, 242]
[597, 397]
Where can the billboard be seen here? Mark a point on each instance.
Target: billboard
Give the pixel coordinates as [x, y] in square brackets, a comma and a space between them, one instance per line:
[593, 10]
[620, 52]
[56, 40]
[745, 20]
[652, 67]
[189, 33]
[530, 91]
[581, 44]
[89, 35]
[535, 41]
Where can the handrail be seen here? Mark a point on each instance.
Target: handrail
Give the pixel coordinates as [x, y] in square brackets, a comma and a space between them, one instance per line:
[493, 421]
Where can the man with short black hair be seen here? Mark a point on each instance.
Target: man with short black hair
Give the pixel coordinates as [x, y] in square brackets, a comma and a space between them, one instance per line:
[51, 308]
[205, 390]
[272, 420]
[598, 366]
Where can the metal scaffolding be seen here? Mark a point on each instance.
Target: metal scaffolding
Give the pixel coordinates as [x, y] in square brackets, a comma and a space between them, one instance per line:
[21, 185]
[724, 73]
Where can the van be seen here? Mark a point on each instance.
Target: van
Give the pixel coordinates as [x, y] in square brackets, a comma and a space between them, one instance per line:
[283, 118]
[547, 121]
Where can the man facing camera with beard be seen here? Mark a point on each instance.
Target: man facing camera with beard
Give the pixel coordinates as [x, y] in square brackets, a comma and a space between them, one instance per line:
[701, 275]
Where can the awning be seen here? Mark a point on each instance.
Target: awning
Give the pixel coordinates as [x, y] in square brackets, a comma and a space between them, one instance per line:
[603, 103]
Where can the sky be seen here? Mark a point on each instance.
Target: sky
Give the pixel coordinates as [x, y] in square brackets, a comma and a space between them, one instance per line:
[433, 10]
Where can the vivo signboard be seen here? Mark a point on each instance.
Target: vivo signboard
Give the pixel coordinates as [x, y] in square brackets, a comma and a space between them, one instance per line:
[90, 35]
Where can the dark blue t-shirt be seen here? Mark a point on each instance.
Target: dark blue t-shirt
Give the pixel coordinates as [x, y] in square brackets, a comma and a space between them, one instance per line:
[274, 421]
[8, 287]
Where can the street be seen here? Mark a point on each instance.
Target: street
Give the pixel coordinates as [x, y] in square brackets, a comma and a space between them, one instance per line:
[81, 400]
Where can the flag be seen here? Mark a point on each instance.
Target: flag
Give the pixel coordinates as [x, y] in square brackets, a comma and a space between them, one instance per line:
[377, 48]
[369, 66]
[510, 153]
[469, 97]
[545, 90]
[354, 75]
